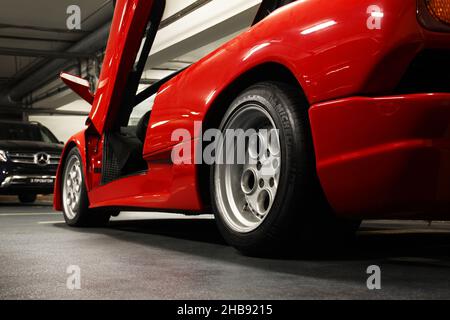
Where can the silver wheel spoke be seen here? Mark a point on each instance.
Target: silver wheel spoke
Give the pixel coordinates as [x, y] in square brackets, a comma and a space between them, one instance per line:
[72, 187]
[245, 193]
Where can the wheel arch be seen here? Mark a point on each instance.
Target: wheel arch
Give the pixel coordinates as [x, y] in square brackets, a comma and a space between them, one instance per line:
[268, 71]
[76, 141]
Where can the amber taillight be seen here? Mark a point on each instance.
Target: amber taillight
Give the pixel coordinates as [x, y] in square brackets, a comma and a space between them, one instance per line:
[439, 9]
[434, 14]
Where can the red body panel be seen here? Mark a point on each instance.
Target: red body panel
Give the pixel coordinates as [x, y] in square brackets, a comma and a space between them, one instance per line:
[130, 19]
[390, 157]
[78, 85]
[343, 59]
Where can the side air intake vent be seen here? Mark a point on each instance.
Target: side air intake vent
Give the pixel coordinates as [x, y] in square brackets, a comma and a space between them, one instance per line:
[428, 72]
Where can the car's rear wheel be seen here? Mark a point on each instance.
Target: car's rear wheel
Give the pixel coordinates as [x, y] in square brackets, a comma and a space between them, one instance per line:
[273, 202]
[27, 198]
[74, 195]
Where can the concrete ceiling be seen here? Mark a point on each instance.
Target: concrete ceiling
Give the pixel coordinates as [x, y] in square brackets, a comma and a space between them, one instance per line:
[41, 25]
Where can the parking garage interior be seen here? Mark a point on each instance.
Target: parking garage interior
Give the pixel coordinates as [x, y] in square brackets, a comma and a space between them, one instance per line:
[154, 255]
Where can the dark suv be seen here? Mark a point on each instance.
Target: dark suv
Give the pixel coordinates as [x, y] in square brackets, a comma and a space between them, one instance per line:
[29, 157]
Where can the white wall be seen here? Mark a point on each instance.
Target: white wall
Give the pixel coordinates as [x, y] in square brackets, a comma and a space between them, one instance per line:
[63, 127]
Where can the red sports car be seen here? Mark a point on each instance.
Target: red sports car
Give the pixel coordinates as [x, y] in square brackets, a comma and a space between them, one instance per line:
[323, 113]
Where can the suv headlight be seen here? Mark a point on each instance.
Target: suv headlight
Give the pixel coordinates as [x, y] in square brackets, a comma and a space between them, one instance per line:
[434, 14]
[3, 157]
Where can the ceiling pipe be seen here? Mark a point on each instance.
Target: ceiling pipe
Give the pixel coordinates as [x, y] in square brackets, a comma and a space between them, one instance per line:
[42, 29]
[39, 39]
[58, 112]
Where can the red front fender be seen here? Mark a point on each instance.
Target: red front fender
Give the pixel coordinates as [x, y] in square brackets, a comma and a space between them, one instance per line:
[76, 141]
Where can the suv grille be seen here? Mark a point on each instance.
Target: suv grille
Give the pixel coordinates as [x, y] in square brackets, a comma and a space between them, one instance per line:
[32, 158]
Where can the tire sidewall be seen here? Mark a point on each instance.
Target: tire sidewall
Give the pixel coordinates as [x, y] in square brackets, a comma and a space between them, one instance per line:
[83, 205]
[280, 215]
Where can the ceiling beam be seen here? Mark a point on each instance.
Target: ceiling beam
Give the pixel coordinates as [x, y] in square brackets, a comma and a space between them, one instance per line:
[165, 69]
[42, 53]
[148, 81]
[182, 13]
[40, 39]
[42, 29]
[47, 111]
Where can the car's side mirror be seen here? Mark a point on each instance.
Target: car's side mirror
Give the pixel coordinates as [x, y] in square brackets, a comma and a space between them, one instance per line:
[79, 85]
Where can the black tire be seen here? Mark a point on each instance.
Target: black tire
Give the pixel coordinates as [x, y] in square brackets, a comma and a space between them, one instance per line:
[300, 217]
[84, 216]
[27, 198]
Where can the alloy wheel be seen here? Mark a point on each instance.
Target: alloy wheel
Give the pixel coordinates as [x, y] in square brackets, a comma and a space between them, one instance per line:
[246, 192]
[73, 180]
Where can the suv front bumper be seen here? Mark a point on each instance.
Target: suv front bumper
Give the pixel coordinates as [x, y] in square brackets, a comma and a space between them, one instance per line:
[16, 184]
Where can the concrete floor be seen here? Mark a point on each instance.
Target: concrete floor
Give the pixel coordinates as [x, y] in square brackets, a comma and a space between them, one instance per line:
[161, 256]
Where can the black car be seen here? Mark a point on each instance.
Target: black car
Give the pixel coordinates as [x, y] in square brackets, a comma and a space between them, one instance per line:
[29, 157]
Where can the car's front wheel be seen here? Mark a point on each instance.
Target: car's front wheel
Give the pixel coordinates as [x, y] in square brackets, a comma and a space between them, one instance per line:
[74, 195]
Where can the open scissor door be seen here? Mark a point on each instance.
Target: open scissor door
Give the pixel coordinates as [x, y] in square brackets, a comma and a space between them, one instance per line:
[119, 78]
